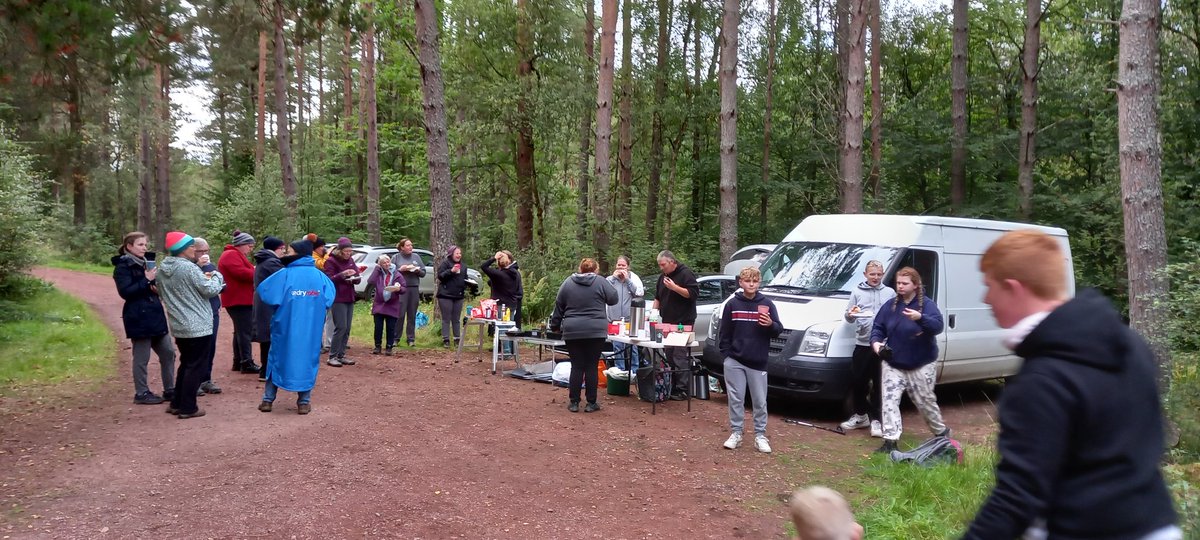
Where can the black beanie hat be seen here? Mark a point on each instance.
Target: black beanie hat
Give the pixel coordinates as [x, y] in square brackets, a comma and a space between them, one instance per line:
[302, 247]
[271, 243]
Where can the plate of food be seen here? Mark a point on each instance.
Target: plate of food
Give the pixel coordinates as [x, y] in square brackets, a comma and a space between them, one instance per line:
[862, 314]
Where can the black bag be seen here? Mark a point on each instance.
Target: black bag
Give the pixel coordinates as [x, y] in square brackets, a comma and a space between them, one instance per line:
[652, 387]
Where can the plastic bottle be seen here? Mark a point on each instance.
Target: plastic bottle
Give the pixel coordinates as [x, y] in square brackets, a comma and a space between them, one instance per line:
[624, 329]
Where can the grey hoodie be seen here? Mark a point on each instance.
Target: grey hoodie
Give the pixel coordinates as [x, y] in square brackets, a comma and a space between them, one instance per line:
[185, 292]
[580, 308]
[868, 299]
[626, 291]
[411, 279]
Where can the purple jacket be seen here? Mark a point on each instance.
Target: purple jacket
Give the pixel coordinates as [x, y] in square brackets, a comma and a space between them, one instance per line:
[380, 279]
[345, 289]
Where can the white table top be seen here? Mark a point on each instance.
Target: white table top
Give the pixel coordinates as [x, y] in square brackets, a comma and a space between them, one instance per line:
[495, 322]
[644, 342]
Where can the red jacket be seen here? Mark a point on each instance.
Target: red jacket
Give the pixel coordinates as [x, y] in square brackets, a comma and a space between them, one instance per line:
[239, 278]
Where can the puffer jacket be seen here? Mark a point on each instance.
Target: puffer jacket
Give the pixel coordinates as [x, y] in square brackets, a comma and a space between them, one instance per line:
[185, 291]
[143, 311]
[239, 275]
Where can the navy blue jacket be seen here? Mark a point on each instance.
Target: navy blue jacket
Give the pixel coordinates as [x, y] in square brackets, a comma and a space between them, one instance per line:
[742, 338]
[143, 311]
[266, 263]
[913, 343]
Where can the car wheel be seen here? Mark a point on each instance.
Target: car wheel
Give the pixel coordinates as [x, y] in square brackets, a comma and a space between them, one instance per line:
[369, 293]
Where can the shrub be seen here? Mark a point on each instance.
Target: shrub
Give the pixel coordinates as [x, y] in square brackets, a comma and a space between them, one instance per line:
[20, 220]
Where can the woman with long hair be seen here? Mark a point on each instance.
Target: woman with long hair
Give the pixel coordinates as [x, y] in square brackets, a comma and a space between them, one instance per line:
[580, 313]
[145, 322]
[904, 336]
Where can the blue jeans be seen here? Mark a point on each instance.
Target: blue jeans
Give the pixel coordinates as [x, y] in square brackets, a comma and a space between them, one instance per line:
[619, 356]
[269, 394]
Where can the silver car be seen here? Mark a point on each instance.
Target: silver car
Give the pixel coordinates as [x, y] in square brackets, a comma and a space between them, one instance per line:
[366, 258]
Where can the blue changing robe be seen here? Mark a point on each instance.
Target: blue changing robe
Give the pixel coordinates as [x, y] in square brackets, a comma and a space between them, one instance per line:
[302, 294]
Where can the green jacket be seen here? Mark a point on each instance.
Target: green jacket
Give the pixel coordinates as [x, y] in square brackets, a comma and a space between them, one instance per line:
[185, 291]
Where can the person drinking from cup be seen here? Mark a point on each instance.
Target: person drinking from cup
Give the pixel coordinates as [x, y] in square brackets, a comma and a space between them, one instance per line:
[748, 322]
[145, 322]
[629, 286]
[452, 287]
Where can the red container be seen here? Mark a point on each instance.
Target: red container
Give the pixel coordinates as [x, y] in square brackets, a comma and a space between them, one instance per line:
[614, 328]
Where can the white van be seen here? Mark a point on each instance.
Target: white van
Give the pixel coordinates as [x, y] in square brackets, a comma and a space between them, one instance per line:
[810, 274]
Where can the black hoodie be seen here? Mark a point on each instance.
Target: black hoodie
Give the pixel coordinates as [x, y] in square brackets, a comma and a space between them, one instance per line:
[1081, 433]
[266, 263]
[741, 337]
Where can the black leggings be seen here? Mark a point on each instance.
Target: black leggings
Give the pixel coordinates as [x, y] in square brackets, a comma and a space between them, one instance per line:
[243, 330]
[585, 360]
[864, 382]
[191, 359]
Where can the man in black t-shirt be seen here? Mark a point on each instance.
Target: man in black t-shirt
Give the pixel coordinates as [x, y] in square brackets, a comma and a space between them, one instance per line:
[675, 299]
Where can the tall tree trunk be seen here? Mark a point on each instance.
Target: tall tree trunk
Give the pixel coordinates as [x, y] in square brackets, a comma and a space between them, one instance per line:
[77, 169]
[1029, 94]
[604, 97]
[697, 199]
[958, 108]
[320, 69]
[1141, 172]
[283, 134]
[368, 89]
[437, 144]
[768, 98]
[656, 129]
[852, 116]
[358, 206]
[223, 128]
[525, 172]
[728, 237]
[347, 83]
[145, 218]
[260, 145]
[163, 149]
[301, 128]
[585, 123]
[876, 102]
[625, 130]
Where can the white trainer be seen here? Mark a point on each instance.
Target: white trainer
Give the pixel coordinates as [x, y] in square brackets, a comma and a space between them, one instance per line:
[734, 441]
[762, 444]
[857, 421]
[876, 429]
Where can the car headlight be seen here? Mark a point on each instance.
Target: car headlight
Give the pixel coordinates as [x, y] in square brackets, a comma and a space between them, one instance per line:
[713, 323]
[816, 341]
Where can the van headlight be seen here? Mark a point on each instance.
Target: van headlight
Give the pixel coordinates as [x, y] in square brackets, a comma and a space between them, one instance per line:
[816, 341]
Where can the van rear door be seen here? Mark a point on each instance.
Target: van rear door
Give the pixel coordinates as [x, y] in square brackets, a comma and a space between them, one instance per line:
[975, 348]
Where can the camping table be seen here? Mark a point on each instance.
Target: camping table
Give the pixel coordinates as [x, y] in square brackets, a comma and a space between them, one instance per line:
[541, 342]
[500, 327]
[658, 351]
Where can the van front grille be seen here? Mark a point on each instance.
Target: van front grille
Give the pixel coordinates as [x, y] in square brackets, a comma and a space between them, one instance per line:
[780, 341]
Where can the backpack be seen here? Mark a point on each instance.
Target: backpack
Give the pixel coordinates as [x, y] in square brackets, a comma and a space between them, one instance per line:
[654, 386]
[935, 451]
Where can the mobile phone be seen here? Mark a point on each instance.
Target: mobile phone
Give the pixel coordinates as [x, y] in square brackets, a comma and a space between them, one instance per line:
[150, 264]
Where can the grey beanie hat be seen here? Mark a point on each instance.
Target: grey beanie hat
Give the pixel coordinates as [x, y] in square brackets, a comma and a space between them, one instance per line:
[240, 238]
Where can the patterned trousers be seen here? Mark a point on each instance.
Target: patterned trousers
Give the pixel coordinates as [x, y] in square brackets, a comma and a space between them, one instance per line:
[919, 385]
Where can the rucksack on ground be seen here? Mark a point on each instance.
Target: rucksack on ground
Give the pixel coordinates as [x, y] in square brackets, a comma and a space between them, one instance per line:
[935, 451]
[654, 386]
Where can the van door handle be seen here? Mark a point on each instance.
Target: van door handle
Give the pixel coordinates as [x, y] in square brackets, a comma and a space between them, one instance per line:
[952, 321]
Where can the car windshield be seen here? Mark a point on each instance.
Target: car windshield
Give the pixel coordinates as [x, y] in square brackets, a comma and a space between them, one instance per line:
[820, 267]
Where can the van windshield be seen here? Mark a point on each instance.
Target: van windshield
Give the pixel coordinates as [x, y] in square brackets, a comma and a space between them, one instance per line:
[820, 267]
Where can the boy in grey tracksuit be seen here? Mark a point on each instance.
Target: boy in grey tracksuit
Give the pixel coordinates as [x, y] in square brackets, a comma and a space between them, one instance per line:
[865, 302]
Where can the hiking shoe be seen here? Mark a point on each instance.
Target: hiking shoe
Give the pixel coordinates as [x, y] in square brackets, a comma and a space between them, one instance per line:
[251, 367]
[210, 387]
[197, 414]
[945, 433]
[573, 406]
[876, 429]
[199, 392]
[592, 407]
[325, 349]
[172, 410]
[857, 421]
[147, 398]
[888, 446]
[168, 395]
[734, 440]
[678, 396]
[334, 362]
[412, 344]
[376, 350]
[346, 361]
[387, 352]
[265, 406]
[762, 444]
[303, 408]
[445, 343]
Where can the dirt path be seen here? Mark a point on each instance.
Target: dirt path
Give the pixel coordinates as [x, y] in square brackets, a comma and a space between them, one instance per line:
[412, 446]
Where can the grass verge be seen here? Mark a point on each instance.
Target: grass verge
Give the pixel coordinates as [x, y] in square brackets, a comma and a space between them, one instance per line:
[362, 329]
[91, 268]
[51, 337]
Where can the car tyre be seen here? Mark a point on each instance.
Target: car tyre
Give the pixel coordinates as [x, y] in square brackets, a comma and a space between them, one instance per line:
[369, 293]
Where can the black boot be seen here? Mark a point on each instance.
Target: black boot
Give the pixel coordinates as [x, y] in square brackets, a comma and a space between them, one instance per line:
[888, 446]
[251, 367]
